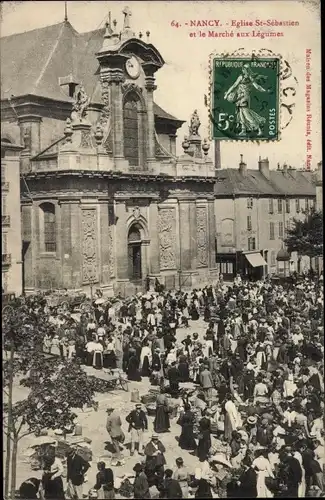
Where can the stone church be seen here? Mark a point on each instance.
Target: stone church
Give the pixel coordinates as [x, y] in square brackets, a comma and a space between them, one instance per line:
[105, 202]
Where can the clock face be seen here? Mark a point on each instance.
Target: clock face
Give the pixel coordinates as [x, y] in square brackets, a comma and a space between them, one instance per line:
[132, 67]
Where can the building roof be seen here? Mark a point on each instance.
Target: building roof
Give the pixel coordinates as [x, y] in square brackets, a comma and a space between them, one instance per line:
[231, 182]
[32, 63]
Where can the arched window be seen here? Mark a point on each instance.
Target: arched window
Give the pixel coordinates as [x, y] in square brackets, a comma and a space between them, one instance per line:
[49, 227]
[134, 131]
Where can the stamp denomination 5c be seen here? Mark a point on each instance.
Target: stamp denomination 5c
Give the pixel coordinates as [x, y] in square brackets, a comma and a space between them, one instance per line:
[245, 98]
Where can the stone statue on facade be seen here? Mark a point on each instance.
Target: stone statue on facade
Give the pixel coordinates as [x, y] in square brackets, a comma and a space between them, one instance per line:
[194, 124]
[127, 18]
[27, 139]
[80, 105]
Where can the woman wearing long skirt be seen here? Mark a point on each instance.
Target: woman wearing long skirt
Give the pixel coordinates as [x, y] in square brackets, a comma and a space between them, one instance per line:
[183, 369]
[186, 421]
[98, 356]
[264, 470]
[133, 367]
[161, 422]
[145, 360]
[232, 417]
[109, 357]
[204, 443]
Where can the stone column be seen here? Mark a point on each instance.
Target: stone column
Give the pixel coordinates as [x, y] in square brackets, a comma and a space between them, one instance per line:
[185, 235]
[212, 234]
[30, 125]
[150, 88]
[116, 79]
[104, 243]
[154, 239]
[122, 263]
[66, 247]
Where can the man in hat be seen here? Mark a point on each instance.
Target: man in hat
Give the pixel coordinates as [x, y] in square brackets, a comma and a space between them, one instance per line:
[140, 485]
[206, 382]
[155, 461]
[76, 470]
[138, 423]
[114, 429]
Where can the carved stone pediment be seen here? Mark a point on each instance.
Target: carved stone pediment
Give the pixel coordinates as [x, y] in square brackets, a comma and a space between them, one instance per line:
[129, 86]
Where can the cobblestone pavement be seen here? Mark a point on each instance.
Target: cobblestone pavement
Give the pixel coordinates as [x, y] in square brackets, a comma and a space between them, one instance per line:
[94, 427]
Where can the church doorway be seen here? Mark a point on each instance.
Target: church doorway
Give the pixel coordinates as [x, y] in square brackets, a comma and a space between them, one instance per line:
[135, 253]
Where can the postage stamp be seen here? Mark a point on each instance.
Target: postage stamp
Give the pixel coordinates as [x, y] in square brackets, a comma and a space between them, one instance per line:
[245, 98]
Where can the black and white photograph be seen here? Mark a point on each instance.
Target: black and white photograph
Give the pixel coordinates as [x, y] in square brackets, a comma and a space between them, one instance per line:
[162, 249]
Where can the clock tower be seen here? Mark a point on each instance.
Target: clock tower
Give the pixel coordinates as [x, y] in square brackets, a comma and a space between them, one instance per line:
[127, 77]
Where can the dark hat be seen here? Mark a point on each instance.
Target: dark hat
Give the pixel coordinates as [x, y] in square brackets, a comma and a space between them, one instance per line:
[138, 467]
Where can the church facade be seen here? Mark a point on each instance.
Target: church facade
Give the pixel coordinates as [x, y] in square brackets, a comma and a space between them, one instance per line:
[105, 202]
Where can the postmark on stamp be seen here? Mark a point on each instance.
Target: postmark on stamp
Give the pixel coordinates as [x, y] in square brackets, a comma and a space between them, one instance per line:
[245, 98]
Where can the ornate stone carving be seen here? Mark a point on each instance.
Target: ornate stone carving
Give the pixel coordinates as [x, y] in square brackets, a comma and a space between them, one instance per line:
[80, 105]
[202, 237]
[129, 86]
[108, 143]
[136, 212]
[167, 238]
[111, 259]
[161, 152]
[194, 124]
[105, 114]
[86, 139]
[89, 246]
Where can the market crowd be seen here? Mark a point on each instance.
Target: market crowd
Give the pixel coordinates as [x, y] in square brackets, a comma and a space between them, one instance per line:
[253, 413]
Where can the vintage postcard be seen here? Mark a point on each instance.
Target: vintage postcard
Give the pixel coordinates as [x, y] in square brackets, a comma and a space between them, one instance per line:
[162, 249]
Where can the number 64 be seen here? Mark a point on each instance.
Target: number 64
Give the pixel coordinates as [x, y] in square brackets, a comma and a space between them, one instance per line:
[224, 120]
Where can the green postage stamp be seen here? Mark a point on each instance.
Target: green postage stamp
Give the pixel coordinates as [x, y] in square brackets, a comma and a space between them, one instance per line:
[244, 98]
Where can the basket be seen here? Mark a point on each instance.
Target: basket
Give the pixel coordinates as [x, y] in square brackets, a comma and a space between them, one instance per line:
[84, 453]
[135, 397]
[148, 398]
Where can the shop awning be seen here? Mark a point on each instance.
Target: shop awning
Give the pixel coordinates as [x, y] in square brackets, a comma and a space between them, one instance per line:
[255, 259]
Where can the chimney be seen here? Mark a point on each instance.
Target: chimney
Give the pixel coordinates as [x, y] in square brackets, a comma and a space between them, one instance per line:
[217, 155]
[242, 167]
[264, 167]
[285, 168]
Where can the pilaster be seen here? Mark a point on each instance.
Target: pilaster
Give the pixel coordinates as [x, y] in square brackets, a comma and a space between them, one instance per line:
[154, 239]
[105, 246]
[30, 132]
[212, 234]
[122, 264]
[115, 79]
[150, 88]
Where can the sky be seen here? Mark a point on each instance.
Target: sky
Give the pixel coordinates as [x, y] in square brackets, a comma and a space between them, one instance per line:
[184, 79]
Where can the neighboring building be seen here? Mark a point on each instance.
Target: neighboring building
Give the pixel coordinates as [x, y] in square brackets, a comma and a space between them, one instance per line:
[319, 186]
[11, 225]
[105, 201]
[253, 210]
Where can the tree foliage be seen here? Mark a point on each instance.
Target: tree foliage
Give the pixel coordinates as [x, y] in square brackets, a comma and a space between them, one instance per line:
[54, 388]
[306, 236]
